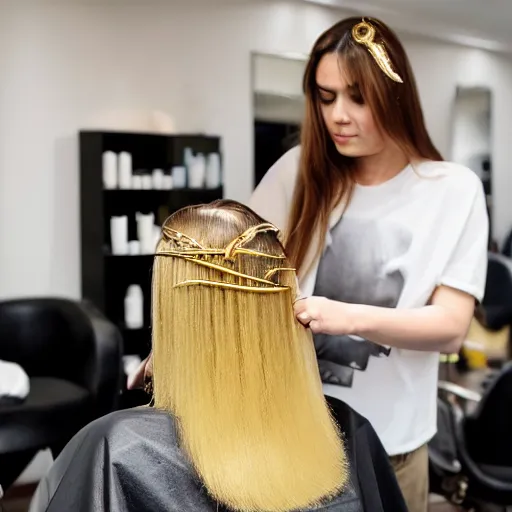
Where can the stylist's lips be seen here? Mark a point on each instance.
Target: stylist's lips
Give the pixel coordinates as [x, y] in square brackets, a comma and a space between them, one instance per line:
[342, 139]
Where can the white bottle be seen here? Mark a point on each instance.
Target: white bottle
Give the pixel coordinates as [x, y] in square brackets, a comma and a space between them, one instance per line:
[188, 158]
[167, 182]
[134, 307]
[124, 170]
[136, 181]
[197, 172]
[145, 232]
[119, 235]
[158, 179]
[179, 176]
[109, 170]
[213, 177]
[147, 182]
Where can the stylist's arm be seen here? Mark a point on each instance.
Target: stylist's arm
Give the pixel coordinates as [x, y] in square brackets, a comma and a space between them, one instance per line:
[440, 326]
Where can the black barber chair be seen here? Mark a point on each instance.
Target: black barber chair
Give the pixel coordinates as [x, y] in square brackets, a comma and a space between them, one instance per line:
[73, 357]
[497, 301]
[492, 324]
[471, 455]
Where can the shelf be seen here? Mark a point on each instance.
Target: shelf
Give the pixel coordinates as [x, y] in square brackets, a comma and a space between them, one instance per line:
[106, 276]
[129, 201]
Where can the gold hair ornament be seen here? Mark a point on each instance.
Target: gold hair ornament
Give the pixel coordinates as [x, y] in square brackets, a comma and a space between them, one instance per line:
[191, 250]
[364, 33]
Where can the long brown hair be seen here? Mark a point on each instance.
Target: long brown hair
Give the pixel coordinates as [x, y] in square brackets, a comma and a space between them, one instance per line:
[235, 367]
[325, 176]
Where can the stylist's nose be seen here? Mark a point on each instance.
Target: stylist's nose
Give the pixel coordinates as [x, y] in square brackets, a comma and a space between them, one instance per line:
[339, 112]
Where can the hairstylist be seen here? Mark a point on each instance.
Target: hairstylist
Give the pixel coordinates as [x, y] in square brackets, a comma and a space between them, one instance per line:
[390, 241]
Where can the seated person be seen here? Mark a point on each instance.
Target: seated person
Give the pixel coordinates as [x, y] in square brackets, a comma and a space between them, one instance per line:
[238, 420]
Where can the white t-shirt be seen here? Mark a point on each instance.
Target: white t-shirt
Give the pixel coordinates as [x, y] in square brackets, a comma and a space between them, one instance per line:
[396, 242]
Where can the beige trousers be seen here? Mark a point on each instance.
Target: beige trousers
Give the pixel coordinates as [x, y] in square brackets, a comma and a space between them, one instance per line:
[411, 471]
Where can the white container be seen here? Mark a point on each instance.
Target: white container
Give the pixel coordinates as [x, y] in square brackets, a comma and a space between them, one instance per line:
[119, 235]
[136, 181]
[147, 181]
[133, 247]
[188, 157]
[109, 169]
[179, 177]
[167, 182]
[197, 172]
[145, 232]
[213, 174]
[124, 170]
[158, 179]
[134, 307]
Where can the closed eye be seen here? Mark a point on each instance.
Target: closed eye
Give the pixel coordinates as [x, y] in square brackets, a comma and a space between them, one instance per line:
[326, 100]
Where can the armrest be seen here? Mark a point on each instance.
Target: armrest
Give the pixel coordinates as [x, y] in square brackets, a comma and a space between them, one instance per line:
[476, 472]
[459, 391]
[105, 376]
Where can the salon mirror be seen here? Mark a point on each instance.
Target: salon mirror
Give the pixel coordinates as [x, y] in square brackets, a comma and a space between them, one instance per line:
[278, 106]
[472, 136]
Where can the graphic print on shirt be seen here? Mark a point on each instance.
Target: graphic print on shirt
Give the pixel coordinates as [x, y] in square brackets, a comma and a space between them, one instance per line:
[364, 264]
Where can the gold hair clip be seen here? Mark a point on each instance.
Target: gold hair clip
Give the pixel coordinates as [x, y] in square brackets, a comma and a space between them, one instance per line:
[232, 286]
[187, 246]
[191, 250]
[364, 33]
[246, 237]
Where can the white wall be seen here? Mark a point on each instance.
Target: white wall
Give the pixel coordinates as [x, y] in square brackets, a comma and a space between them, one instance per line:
[63, 64]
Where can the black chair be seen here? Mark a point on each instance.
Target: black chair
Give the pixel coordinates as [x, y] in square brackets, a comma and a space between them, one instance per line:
[481, 463]
[73, 357]
[497, 301]
[492, 324]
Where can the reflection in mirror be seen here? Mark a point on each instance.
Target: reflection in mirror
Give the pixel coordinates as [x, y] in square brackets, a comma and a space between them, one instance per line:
[278, 106]
[472, 138]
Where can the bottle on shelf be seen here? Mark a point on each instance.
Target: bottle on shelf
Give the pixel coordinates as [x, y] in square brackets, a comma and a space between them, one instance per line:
[119, 234]
[109, 169]
[145, 232]
[158, 179]
[213, 174]
[179, 176]
[134, 307]
[125, 170]
[197, 172]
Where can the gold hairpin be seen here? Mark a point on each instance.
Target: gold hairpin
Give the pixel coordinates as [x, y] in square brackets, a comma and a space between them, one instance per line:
[364, 33]
[187, 246]
[191, 250]
[232, 286]
[246, 237]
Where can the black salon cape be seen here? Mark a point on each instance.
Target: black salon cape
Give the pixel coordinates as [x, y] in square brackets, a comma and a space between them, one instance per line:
[129, 461]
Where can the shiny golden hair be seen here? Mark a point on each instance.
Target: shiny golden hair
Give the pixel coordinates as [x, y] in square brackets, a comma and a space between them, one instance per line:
[235, 368]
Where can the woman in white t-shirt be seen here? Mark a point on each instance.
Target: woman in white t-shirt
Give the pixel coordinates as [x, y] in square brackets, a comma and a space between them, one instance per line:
[390, 241]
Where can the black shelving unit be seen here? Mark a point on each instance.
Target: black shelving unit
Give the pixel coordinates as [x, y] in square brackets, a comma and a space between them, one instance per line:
[106, 277]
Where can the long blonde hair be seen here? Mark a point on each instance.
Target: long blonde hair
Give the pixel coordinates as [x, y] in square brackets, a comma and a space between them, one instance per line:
[235, 368]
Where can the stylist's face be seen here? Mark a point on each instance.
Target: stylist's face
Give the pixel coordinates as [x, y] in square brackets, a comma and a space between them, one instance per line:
[348, 120]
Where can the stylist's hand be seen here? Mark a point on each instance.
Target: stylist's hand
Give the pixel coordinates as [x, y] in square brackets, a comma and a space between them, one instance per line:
[141, 374]
[324, 316]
